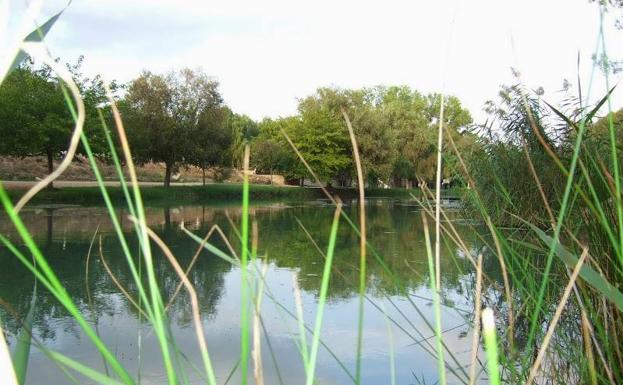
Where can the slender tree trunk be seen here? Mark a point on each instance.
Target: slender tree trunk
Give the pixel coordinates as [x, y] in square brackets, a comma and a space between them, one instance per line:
[167, 174]
[271, 176]
[167, 218]
[203, 169]
[50, 166]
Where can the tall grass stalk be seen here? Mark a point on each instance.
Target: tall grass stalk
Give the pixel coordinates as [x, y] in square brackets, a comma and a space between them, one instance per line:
[362, 243]
[300, 320]
[324, 287]
[613, 142]
[244, 255]
[207, 363]
[441, 364]
[552, 326]
[159, 316]
[491, 345]
[438, 195]
[476, 329]
[258, 366]
[38, 51]
[6, 364]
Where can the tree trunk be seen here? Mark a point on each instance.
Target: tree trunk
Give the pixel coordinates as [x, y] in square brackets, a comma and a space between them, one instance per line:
[203, 170]
[271, 176]
[167, 218]
[50, 166]
[167, 174]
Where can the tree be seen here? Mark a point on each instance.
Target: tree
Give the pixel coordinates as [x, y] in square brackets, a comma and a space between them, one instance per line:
[34, 117]
[321, 137]
[270, 152]
[267, 154]
[164, 112]
[211, 140]
[242, 129]
[395, 129]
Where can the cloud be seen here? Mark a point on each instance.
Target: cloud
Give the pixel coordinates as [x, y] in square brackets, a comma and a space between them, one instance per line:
[266, 54]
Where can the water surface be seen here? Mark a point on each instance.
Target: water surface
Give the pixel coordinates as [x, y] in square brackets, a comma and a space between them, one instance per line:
[66, 235]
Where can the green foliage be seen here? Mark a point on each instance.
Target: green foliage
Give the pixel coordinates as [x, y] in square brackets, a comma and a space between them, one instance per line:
[242, 129]
[271, 153]
[558, 177]
[34, 119]
[177, 119]
[395, 129]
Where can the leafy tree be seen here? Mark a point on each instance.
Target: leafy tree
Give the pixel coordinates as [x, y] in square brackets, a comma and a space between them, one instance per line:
[165, 112]
[270, 152]
[267, 155]
[321, 137]
[211, 140]
[242, 129]
[413, 119]
[395, 128]
[34, 117]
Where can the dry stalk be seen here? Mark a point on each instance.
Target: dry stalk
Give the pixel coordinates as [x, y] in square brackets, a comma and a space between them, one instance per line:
[552, 326]
[38, 51]
[194, 301]
[116, 282]
[476, 335]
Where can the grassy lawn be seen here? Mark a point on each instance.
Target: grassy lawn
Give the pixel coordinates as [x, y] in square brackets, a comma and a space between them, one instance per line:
[210, 193]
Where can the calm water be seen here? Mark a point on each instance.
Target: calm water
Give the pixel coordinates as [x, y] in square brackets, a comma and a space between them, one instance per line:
[395, 230]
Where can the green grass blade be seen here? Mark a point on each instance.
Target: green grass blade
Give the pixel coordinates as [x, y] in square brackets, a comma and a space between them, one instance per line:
[211, 248]
[245, 290]
[35, 36]
[111, 209]
[490, 337]
[587, 273]
[57, 287]
[84, 370]
[324, 287]
[441, 366]
[22, 348]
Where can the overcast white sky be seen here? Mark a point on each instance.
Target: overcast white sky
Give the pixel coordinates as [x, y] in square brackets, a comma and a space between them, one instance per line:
[266, 54]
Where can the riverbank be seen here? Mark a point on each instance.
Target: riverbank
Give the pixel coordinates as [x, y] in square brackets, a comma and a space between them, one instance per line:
[178, 193]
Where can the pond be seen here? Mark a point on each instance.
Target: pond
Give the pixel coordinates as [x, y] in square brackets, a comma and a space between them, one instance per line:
[82, 248]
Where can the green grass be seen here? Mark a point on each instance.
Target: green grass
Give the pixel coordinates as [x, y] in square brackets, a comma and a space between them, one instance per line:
[211, 193]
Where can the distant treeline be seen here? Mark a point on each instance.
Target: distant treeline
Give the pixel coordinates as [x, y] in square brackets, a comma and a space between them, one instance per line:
[180, 119]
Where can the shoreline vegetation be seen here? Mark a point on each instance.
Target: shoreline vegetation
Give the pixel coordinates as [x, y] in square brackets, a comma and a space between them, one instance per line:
[211, 193]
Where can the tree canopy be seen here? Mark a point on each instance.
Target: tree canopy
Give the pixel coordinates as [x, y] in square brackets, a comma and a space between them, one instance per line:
[180, 119]
[34, 116]
[171, 118]
[395, 128]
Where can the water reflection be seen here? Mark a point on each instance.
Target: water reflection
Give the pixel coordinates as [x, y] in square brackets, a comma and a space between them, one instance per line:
[79, 256]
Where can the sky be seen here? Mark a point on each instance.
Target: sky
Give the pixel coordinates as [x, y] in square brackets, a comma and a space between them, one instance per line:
[267, 54]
